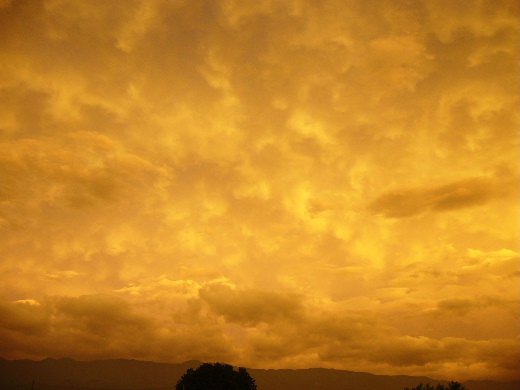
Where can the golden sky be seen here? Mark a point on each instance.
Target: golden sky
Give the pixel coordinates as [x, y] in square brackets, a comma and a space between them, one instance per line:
[269, 183]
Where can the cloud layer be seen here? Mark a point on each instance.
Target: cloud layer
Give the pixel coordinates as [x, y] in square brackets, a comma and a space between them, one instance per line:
[279, 184]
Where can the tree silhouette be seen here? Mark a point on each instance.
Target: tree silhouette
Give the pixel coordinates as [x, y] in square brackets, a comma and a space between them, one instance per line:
[455, 386]
[451, 386]
[216, 376]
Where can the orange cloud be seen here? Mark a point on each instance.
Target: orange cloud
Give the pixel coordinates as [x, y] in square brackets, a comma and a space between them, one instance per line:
[465, 193]
[277, 184]
[251, 307]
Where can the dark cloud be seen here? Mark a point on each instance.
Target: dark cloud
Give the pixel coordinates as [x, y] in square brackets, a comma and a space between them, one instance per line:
[102, 326]
[251, 307]
[456, 306]
[100, 315]
[457, 195]
[24, 318]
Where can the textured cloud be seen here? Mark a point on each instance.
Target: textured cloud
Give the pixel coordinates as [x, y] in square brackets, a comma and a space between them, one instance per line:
[251, 306]
[100, 326]
[461, 194]
[279, 184]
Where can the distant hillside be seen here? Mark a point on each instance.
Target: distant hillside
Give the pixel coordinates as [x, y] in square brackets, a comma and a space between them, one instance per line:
[97, 374]
[321, 379]
[63, 374]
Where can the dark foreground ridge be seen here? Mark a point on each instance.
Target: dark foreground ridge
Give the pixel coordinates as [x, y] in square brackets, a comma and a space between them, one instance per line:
[64, 374]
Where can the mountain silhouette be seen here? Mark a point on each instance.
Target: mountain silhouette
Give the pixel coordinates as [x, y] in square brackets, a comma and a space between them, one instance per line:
[63, 374]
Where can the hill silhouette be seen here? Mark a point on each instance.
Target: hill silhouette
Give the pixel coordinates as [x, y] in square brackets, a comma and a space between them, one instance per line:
[66, 374]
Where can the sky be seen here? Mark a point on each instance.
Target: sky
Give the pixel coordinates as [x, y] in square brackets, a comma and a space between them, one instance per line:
[270, 184]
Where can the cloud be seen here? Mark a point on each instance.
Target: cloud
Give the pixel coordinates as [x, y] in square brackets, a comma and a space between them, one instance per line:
[24, 317]
[251, 307]
[457, 306]
[203, 179]
[163, 287]
[32, 302]
[460, 194]
[98, 326]
[100, 315]
[78, 169]
[63, 275]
